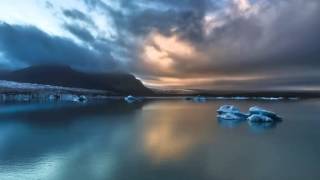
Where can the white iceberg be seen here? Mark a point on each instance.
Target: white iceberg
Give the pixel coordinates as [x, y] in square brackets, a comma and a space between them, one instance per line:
[132, 99]
[231, 109]
[260, 111]
[82, 99]
[256, 114]
[259, 118]
[228, 109]
[230, 117]
[228, 112]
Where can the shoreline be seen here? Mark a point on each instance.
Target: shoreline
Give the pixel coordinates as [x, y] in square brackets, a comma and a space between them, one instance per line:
[83, 97]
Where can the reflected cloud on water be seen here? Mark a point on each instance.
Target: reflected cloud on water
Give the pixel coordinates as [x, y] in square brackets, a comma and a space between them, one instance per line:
[229, 124]
[263, 126]
[101, 141]
[171, 131]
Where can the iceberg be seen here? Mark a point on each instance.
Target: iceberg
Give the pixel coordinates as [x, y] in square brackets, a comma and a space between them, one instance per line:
[262, 112]
[132, 99]
[259, 118]
[228, 112]
[82, 99]
[230, 117]
[255, 115]
[228, 109]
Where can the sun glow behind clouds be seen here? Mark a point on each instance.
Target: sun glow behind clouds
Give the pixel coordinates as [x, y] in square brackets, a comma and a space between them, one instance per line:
[160, 52]
[169, 42]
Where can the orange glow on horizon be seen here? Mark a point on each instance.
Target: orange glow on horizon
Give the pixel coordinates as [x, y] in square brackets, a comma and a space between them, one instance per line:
[177, 83]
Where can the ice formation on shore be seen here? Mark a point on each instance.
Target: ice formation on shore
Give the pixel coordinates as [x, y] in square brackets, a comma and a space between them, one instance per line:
[25, 92]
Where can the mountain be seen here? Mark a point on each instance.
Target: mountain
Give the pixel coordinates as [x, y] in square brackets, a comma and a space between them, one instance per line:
[58, 75]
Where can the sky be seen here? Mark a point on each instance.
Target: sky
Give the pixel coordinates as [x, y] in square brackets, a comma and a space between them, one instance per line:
[174, 44]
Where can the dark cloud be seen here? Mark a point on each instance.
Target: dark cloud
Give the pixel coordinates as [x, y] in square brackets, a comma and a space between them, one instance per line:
[49, 5]
[280, 39]
[80, 32]
[78, 15]
[95, 4]
[29, 45]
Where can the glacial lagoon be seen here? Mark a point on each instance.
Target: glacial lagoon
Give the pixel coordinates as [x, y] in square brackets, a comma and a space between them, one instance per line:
[157, 140]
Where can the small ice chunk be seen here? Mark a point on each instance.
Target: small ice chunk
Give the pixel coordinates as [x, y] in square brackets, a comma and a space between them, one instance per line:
[131, 99]
[259, 111]
[199, 99]
[82, 99]
[259, 118]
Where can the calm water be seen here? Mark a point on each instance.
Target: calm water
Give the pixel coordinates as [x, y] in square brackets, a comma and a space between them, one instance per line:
[159, 140]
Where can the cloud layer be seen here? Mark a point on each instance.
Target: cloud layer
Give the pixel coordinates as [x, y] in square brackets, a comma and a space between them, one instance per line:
[238, 44]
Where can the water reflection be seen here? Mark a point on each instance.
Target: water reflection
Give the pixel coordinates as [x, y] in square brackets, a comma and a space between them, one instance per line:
[263, 126]
[229, 124]
[255, 126]
[65, 142]
[156, 140]
[171, 130]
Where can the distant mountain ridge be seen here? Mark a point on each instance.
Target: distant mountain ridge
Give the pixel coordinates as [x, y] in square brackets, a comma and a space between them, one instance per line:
[59, 75]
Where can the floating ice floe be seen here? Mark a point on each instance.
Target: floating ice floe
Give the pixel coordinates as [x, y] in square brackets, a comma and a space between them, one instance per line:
[259, 118]
[228, 109]
[262, 112]
[82, 99]
[256, 114]
[132, 99]
[230, 117]
[199, 99]
[228, 112]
